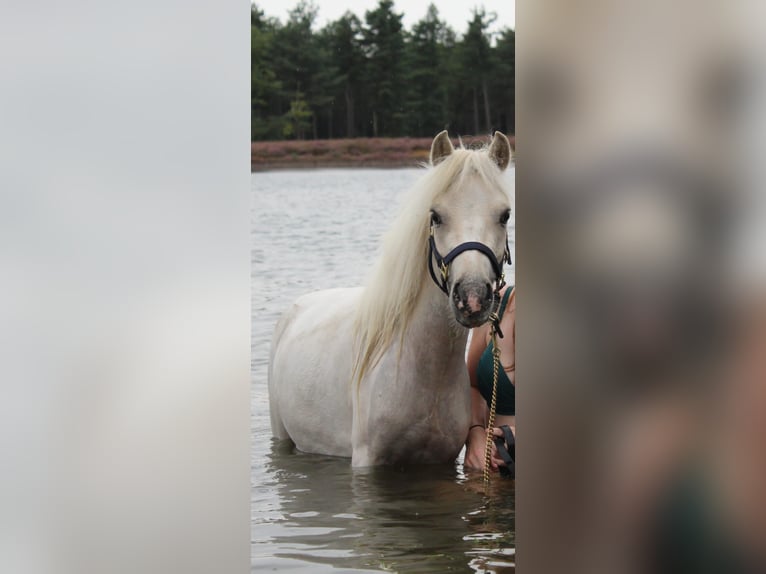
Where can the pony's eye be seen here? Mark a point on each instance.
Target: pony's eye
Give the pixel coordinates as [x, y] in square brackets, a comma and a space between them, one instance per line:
[435, 218]
[505, 217]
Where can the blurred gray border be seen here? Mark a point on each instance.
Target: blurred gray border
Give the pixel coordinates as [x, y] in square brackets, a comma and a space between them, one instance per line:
[124, 217]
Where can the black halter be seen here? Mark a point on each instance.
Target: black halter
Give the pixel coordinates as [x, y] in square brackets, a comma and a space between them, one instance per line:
[444, 262]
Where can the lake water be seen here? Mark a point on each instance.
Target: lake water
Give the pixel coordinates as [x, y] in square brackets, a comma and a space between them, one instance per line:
[317, 229]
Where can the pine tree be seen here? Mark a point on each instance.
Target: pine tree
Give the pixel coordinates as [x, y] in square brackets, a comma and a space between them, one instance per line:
[297, 119]
[476, 61]
[296, 56]
[264, 85]
[426, 84]
[384, 45]
[347, 55]
[505, 81]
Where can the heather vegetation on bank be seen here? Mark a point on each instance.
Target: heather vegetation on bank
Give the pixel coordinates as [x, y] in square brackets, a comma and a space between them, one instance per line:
[350, 152]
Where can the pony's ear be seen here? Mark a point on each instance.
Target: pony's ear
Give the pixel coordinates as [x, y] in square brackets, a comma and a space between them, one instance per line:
[500, 150]
[441, 147]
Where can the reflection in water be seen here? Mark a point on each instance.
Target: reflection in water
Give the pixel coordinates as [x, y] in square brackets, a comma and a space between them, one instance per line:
[418, 519]
[315, 230]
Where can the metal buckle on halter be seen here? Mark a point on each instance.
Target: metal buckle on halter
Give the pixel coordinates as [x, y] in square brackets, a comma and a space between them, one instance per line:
[444, 271]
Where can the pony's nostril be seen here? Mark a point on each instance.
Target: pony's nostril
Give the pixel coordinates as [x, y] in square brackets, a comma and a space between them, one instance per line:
[458, 296]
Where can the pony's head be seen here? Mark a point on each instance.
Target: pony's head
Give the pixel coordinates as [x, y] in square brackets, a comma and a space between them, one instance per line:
[468, 220]
[463, 198]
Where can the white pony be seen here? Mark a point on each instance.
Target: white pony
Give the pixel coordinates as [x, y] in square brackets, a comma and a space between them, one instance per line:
[378, 373]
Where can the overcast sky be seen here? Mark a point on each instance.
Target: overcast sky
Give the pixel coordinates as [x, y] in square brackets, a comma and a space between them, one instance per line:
[457, 13]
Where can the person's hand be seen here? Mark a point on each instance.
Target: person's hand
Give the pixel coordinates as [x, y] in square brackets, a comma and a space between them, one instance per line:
[474, 450]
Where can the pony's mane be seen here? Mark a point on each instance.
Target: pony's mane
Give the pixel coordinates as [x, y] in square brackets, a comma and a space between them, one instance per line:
[400, 272]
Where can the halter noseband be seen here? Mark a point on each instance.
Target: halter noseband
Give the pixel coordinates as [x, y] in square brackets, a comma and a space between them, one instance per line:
[444, 262]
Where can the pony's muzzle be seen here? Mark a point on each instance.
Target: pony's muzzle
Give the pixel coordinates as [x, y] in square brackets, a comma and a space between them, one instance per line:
[472, 301]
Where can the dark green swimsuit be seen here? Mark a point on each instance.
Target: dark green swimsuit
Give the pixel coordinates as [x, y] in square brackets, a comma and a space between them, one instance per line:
[506, 392]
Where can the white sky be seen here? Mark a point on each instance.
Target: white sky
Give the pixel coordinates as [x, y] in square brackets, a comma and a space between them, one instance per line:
[457, 13]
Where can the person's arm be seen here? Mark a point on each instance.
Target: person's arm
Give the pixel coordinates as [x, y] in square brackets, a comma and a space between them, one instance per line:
[477, 436]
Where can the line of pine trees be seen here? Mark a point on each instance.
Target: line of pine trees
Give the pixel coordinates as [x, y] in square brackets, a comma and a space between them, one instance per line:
[376, 79]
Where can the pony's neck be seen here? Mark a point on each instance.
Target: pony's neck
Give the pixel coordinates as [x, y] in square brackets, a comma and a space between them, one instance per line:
[433, 321]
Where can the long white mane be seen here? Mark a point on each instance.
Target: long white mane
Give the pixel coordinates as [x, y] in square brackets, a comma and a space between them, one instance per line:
[398, 276]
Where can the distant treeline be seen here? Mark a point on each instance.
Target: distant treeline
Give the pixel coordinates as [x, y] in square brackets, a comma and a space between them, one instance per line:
[376, 79]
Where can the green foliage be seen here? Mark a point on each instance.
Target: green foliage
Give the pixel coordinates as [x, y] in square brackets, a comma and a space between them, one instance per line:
[357, 78]
[264, 84]
[505, 80]
[347, 58]
[427, 95]
[297, 119]
[384, 47]
[475, 49]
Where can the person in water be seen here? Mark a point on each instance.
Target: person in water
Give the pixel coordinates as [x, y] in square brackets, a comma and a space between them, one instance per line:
[480, 370]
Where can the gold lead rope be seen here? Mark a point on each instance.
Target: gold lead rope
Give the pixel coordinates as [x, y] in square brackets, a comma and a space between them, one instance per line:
[491, 421]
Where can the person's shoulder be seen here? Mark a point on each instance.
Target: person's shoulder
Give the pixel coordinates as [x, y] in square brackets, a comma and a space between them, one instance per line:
[506, 288]
[507, 294]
